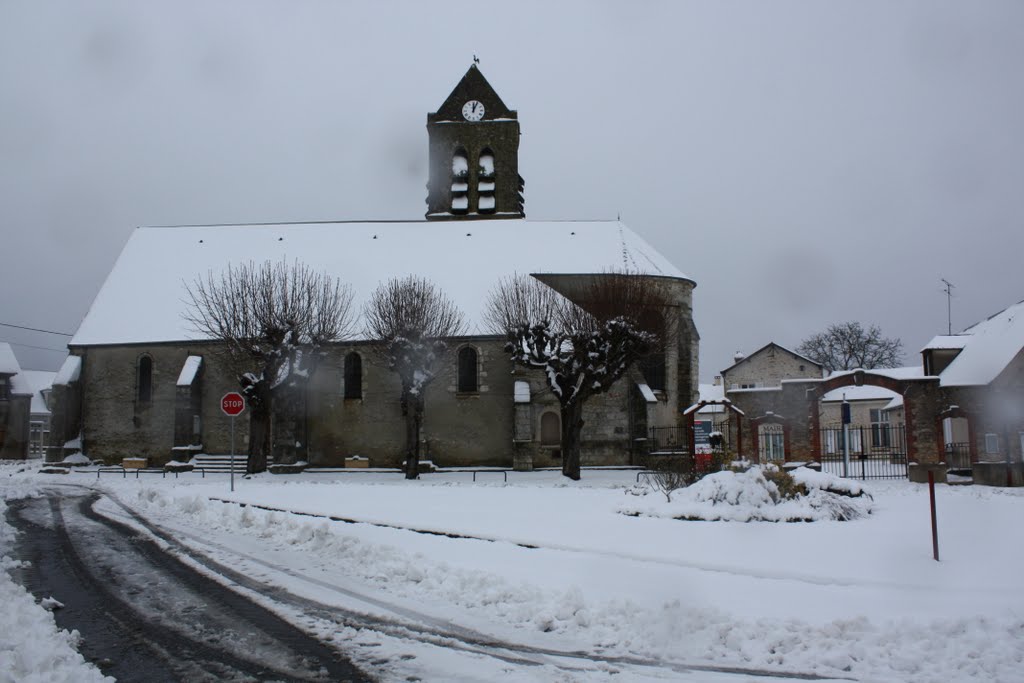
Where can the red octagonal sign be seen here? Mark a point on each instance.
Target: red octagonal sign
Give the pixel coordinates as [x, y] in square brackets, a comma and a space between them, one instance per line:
[232, 403]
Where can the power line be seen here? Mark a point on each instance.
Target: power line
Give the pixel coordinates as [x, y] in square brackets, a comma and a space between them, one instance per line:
[41, 348]
[36, 329]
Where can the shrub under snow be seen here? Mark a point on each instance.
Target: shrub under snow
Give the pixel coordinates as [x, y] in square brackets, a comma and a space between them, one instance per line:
[751, 496]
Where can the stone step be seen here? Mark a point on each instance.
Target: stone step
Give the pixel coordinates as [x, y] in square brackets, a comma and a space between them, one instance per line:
[220, 462]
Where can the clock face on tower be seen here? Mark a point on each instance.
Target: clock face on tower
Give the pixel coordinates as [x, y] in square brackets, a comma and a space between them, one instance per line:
[473, 110]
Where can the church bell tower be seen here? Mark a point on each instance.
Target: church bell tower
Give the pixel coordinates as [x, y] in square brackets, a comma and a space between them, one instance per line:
[474, 155]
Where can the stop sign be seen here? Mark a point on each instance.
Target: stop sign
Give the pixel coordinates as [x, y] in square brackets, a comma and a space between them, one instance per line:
[232, 403]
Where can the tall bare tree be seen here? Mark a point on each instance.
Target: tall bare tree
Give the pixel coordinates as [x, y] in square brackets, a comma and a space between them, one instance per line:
[272, 319]
[848, 346]
[583, 348]
[409, 319]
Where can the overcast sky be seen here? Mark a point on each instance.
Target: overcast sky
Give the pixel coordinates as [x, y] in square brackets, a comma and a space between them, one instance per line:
[805, 162]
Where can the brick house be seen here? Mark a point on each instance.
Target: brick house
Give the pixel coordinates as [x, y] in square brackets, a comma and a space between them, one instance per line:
[961, 409]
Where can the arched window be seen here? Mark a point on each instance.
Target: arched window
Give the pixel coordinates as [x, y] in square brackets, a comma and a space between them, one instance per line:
[353, 375]
[550, 429]
[460, 181]
[467, 370]
[144, 380]
[653, 368]
[485, 182]
[771, 442]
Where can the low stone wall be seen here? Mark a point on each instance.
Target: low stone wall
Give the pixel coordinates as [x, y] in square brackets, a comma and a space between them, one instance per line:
[918, 472]
[998, 473]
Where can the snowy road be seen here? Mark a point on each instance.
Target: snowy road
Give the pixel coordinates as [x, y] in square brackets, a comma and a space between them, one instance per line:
[133, 590]
[146, 616]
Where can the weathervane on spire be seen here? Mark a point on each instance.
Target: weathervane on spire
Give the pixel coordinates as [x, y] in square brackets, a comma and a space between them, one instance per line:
[476, 60]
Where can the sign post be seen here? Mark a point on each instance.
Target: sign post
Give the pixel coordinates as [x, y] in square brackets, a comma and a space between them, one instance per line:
[845, 407]
[232, 404]
[935, 526]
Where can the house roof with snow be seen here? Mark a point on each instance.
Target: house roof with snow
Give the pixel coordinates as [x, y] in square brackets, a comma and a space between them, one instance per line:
[70, 371]
[712, 392]
[947, 341]
[904, 372]
[862, 393]
[143, 298]
[20, 385]
[37, 382]
[766, 347]
[8, 361]
[988, 347]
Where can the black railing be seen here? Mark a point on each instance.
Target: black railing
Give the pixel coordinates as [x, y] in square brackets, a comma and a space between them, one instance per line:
[669, 440]
[877, 451]
[958, 456]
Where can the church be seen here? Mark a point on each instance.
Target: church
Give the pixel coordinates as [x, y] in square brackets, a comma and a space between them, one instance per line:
[141, 383]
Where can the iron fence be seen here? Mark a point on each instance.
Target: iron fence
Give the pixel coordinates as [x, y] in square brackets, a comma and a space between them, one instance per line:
[878, 451]
[669, 440]
[958, 457]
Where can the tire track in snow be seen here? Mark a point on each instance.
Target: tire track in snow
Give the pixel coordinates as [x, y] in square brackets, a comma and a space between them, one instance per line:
[682, 564]
[420, 626]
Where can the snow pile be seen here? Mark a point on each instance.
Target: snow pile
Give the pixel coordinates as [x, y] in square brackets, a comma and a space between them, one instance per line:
[32, 648]
[76, 458]
[752, 496]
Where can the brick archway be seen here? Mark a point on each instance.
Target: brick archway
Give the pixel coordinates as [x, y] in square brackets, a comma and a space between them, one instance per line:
[860, 378]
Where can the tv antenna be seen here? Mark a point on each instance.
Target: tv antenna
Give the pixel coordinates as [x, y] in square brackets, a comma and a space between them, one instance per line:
[949, 305]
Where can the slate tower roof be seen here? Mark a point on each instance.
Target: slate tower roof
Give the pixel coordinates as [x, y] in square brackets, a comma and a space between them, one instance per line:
[474, 155]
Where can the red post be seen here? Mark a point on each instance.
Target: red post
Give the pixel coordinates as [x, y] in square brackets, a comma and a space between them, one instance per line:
[935, 528]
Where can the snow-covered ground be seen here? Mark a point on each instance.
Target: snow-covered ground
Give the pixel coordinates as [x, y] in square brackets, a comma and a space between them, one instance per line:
[32, 648]
[552, 566]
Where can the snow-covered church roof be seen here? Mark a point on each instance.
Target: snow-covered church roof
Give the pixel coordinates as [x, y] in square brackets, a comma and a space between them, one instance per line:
[143, 298]
[988, 347]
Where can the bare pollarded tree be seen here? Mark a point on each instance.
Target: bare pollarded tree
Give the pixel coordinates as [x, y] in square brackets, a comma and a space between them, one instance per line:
[582, 346]
[409, 320]
[272, 318]
[848, 346]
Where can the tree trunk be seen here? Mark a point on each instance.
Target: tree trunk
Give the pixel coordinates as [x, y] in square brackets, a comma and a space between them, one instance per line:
[259, 436]
[572, 426]
[413, 422]
[260, 442]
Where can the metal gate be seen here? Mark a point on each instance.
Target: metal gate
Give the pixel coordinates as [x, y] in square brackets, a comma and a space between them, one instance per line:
[878, 451]
[958, 458]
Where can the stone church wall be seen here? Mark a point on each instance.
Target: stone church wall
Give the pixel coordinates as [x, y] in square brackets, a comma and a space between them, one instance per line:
[115, 423]
[459, 429]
